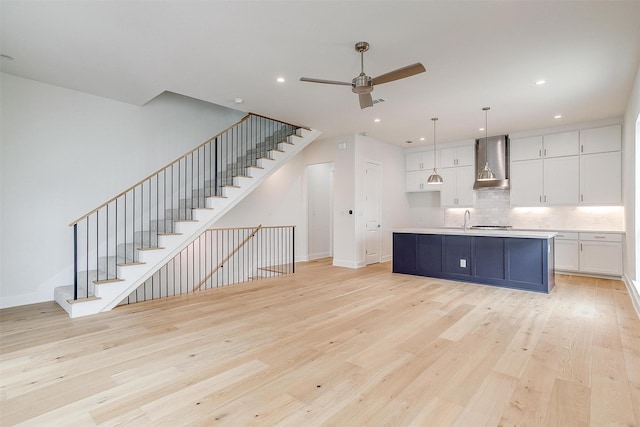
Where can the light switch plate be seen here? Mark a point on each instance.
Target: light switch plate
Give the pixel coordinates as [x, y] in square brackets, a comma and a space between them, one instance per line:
[463, 263]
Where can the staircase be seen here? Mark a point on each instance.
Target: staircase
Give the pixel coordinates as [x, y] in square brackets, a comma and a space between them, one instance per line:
[122, 243]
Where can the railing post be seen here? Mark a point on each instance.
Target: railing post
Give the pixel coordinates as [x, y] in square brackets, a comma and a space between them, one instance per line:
[293, 249]
[75, 262]
[215, 169]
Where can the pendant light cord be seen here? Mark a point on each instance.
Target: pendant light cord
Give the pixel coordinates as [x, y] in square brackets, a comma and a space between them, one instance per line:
[486, 135]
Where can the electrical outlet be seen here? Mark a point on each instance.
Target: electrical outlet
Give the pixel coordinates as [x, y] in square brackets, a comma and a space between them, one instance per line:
[463, 263]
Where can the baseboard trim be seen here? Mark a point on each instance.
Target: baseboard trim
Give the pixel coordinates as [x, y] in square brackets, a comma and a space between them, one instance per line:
[344, 263]
[634, 293]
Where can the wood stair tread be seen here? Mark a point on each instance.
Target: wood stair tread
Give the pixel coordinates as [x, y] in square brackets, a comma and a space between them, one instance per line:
[107, 281]
[76, 301]
[169, 234]
[129, 264]
[150, 248]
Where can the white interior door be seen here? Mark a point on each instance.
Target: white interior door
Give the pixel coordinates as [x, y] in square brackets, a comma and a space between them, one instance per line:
[320, 210]
[372, 213]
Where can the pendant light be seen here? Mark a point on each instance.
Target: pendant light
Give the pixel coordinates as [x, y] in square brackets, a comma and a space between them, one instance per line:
[434, 178]
[486, 174]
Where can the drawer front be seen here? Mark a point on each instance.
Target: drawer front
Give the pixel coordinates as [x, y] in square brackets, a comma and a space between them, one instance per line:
[601, 237]
[562, 235]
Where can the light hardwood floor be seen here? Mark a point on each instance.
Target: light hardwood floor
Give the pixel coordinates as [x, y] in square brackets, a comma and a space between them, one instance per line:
[331, 346]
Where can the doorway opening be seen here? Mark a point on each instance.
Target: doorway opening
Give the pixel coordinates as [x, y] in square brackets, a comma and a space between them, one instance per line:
[320, 210]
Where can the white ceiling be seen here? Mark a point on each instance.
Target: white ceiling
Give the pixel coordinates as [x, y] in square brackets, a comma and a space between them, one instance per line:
[476, 53]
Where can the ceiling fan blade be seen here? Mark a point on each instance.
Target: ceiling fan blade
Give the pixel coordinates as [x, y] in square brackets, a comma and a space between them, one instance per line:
[329, 82]
[400, 73]
[365, 100]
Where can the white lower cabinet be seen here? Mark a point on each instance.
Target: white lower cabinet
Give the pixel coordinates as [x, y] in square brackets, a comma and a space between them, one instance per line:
[567, 252]
[591, 253]
[601, 253]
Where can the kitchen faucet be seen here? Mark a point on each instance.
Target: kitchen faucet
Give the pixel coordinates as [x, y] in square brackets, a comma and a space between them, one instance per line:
[467, 220]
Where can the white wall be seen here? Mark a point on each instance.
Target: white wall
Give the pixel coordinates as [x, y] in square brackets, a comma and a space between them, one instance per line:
[320, 210]
[328, 150]
[279, 200]
[631, 181]
[64, 153]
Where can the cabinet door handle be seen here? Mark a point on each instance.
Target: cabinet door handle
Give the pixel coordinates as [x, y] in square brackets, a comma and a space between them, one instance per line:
[545, 152]
[582, 197]
[599, 237]
[540, 197]
[580, 247]
[582, 148]
[539, 153]
[545, 198]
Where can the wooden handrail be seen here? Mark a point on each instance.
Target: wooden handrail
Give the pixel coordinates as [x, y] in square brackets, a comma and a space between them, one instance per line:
[276, 120]
[250, 228]
[245, 118]
[224, 261]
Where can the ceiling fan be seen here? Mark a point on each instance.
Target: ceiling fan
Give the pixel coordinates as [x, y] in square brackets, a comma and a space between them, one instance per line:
[363, 84]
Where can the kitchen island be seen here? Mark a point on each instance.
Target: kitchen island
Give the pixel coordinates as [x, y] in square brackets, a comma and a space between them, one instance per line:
[506, 258]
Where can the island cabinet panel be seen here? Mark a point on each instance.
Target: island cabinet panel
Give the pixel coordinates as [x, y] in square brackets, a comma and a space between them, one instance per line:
[429, 255]
[404, 253]
[512, 262]
[489, 254]
[456, 251]
[526, 264]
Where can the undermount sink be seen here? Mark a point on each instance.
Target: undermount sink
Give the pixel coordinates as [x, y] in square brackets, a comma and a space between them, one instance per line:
[491, 227]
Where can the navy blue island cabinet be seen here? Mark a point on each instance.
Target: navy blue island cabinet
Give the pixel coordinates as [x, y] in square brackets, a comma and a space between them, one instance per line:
[512, 262]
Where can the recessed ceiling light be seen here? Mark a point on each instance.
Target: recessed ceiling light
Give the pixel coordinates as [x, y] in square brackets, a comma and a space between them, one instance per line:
[422, 138]
[481, 129]
[280, 80]
[376, 120]
[557, 116]
[238, 100]
[540, 82]
[3, 56]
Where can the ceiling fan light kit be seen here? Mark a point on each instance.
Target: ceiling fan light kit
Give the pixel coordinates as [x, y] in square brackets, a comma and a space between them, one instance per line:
[362, 85]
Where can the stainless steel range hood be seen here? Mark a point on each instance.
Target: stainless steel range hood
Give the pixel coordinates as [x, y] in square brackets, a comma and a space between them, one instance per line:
[496, 152]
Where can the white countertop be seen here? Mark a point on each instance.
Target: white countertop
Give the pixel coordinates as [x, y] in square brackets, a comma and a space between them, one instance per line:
[572, 230]
[527, 234]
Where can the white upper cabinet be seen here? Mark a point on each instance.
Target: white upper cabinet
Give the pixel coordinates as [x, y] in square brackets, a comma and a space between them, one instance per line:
[568, 168]
[421, 160]
[417, 182]
[457, 156]
[537, 147]
[457, 188]
[561, 144]
[561, 183]
[527, 183]
[601, 178]
[601, 140]
[526, 148]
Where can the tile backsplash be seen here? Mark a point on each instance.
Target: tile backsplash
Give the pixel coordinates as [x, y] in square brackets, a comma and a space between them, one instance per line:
[491, 207]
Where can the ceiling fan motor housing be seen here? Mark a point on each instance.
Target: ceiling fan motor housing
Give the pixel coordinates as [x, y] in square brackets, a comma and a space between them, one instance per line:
[362, 84]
